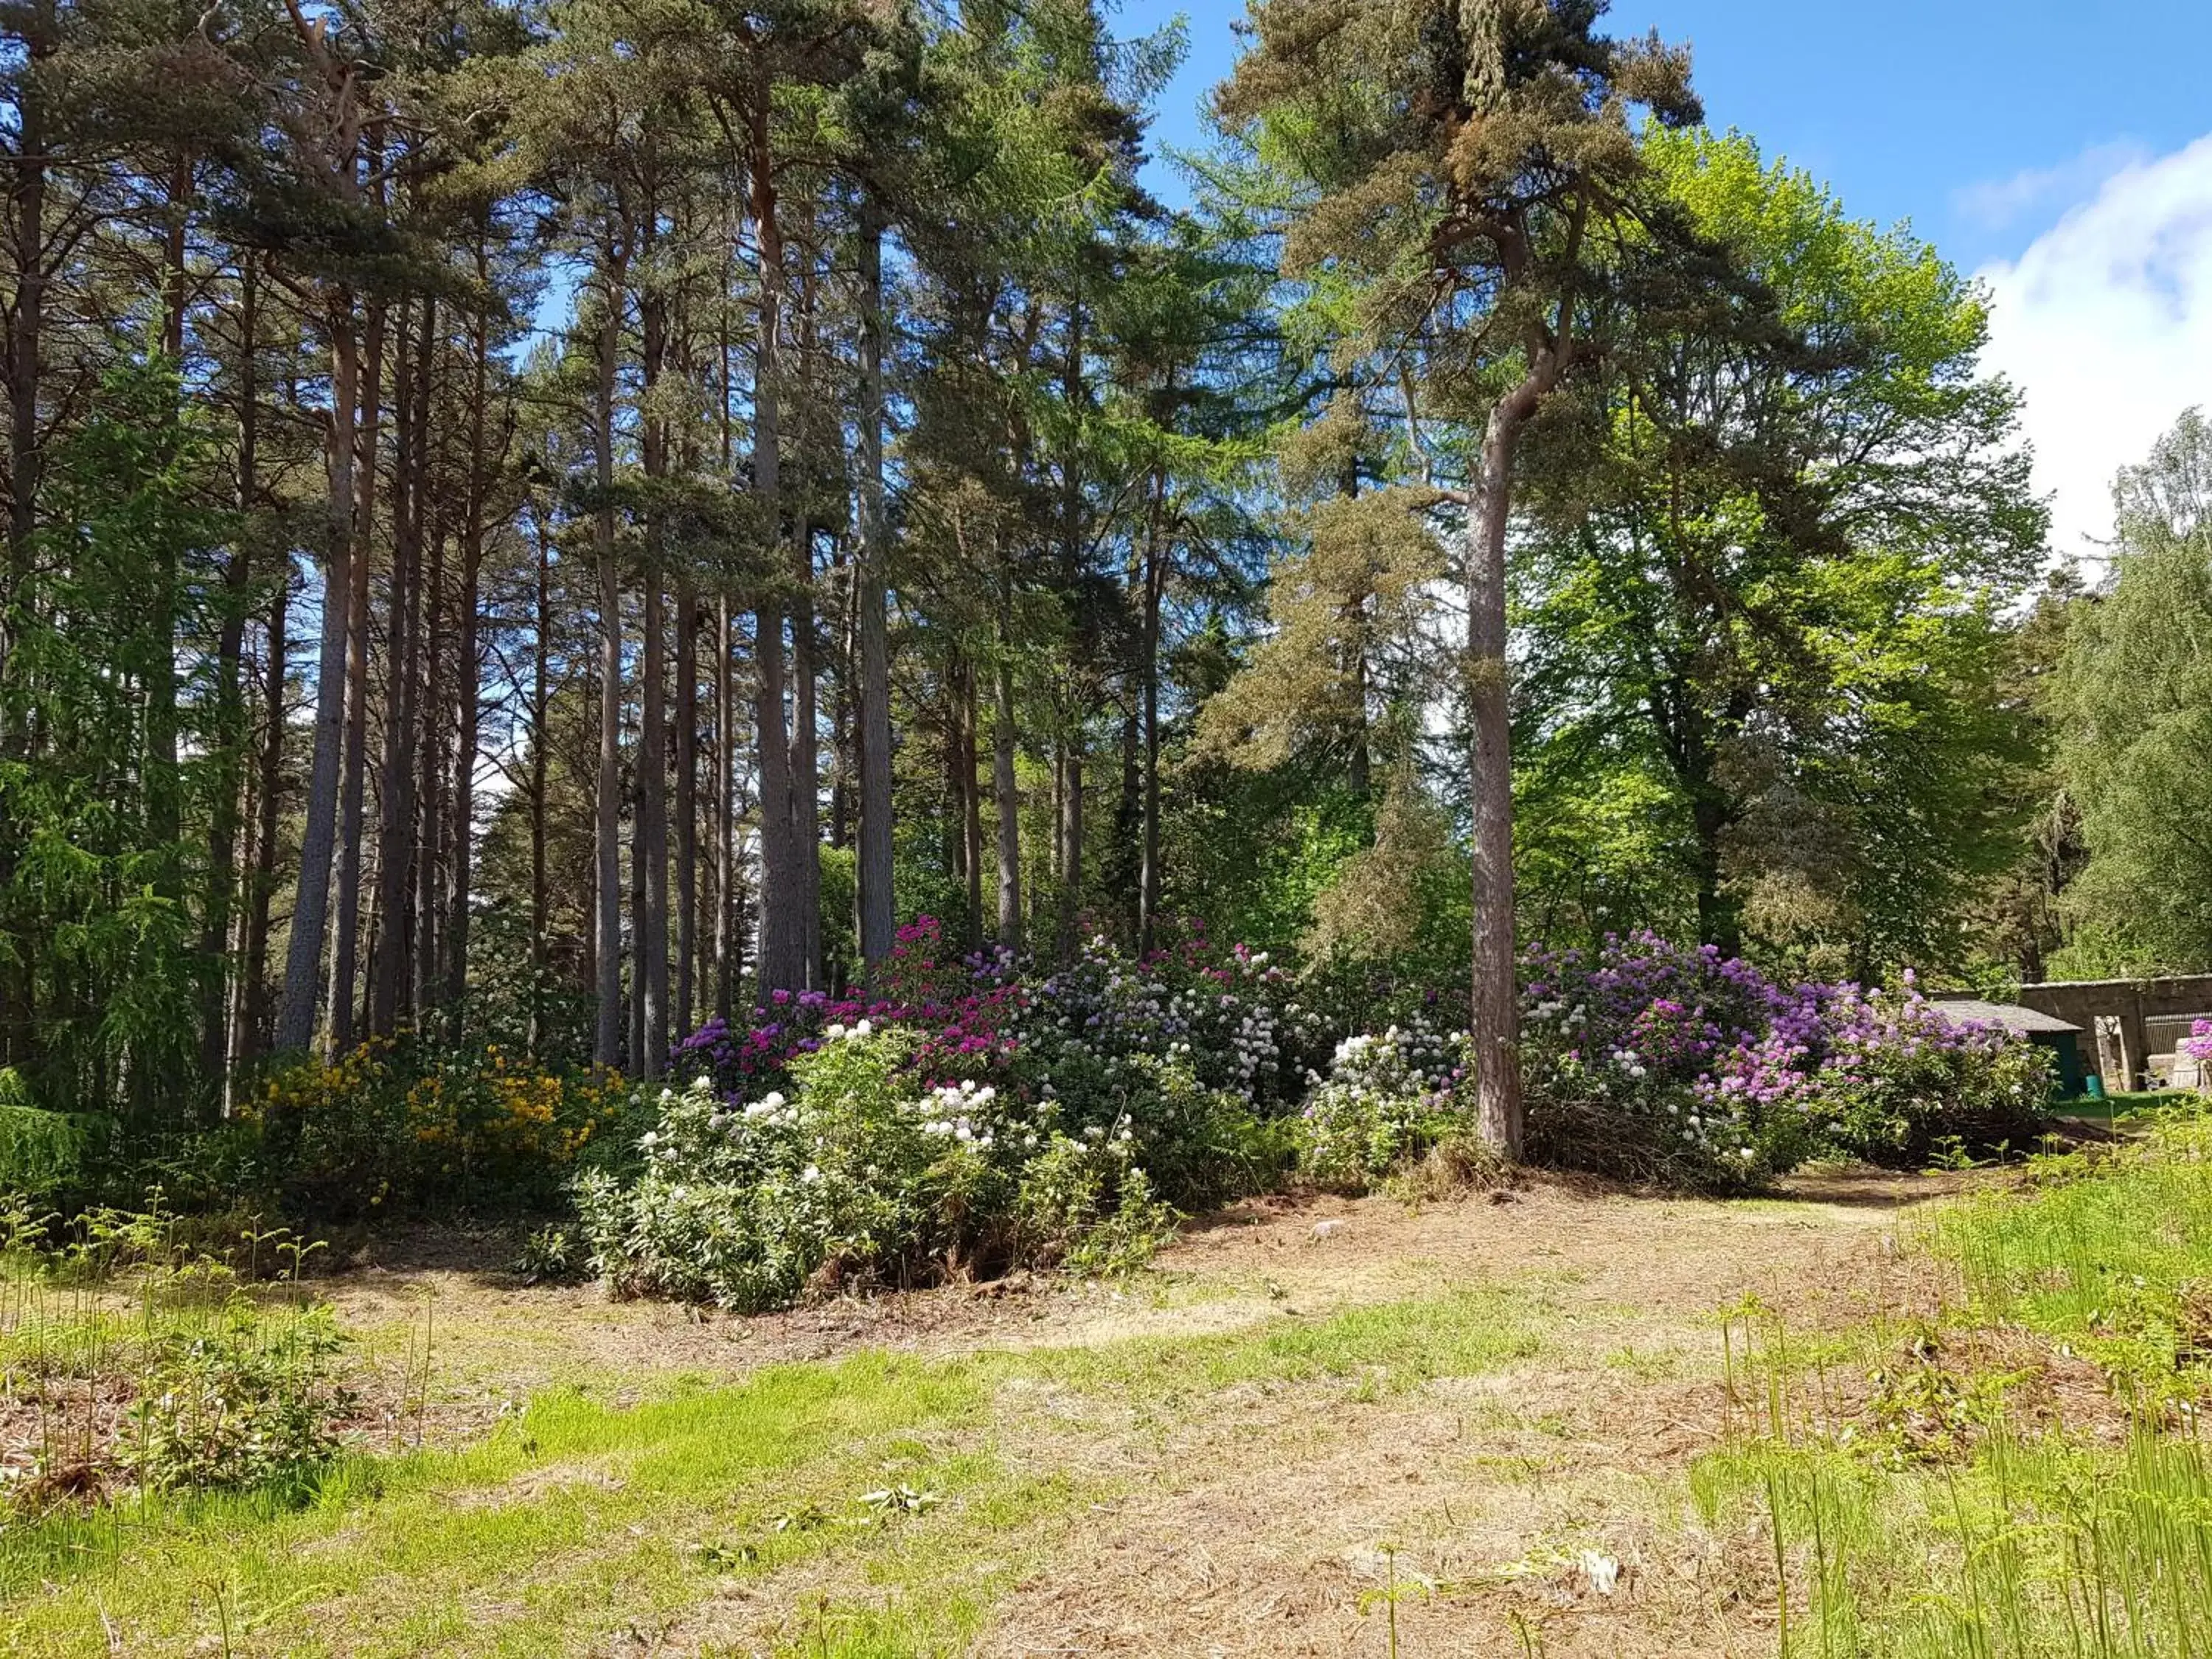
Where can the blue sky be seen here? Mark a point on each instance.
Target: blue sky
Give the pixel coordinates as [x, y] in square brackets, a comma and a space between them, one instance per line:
[2062, 152]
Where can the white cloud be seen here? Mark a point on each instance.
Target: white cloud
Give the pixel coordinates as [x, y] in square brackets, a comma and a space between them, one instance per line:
[2106, 324]
[1998, 203]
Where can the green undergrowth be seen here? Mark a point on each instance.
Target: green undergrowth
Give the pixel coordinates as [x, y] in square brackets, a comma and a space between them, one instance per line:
[2109, 1252]
[2021, 1474]
[889, 1500]
[2037, 1544]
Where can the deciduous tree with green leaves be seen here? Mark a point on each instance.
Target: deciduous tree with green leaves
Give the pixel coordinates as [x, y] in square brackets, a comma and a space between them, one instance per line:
[1763, 589]
[2132, 698]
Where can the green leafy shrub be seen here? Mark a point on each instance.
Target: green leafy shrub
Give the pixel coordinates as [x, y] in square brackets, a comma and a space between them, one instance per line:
[238, 1403]
[1089, 1207]
[554, 1254]
[43, 1153]
[1904, 1102]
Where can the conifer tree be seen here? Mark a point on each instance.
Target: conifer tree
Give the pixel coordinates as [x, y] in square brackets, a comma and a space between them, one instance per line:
[1467, 161]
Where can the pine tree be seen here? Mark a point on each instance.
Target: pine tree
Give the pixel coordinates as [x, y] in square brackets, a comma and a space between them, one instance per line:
[1467, 161]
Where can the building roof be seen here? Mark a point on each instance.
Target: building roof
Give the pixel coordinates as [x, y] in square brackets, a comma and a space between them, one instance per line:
[2020, 1021]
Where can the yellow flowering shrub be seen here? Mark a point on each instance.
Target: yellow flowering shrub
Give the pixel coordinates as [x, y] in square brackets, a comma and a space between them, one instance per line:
[394, 1124]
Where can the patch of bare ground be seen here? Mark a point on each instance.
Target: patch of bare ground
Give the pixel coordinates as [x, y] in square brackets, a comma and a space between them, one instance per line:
[487, 1328]
[1532, 1509]
[1537, 1509]
[493, 1339]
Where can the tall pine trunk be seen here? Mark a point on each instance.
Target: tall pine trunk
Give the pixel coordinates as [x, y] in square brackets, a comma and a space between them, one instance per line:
[468, 703]
[1005, 795]
[971, 803]
[39, 29]
[725, 691]
[687, 806]
[650, 843]
[1068, 921]
[726, 810]
[268, 805]
[303, 961]
[428, 977]
[540, 701]
[780, 958]
[1496, 1002]
[398, 762]
[1155, 577]
[218, 1032]
[879, 912]
[345, 943]
[607, 1028]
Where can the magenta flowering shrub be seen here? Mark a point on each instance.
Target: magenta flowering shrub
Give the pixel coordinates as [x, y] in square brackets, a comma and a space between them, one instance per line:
[958, 1010]
[1902, 1082]
[1207, 1073]
[1231, 1017]
[1188, 1057]
[1672, 1062]
[2197, 1045]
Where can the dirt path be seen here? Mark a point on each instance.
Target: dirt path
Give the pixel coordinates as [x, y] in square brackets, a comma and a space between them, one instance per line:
[1490, 1499]
[1271, 1519]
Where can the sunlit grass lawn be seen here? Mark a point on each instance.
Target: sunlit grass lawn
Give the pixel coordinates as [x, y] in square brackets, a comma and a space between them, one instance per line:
[580, 1520]
[2116, 1108]
[1934, 1504]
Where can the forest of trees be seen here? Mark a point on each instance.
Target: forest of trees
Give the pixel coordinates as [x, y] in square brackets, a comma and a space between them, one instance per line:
[546, 523]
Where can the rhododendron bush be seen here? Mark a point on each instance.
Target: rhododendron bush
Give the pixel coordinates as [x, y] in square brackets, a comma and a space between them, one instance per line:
[970, 1117]
[856, 1177]
[963, 1120]
[1661, 1061]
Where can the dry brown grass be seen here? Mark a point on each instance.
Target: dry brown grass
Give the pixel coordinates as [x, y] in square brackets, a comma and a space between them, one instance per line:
[1269, 1519]
[1266, 1533]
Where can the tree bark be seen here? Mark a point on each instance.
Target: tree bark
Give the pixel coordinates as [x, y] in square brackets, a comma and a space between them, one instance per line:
[607, 1032]
[253, 1000]
[296, 1027]
[163, 785]
[468, 702]
[806, 771]
[780, 957]
[1069, 918]
[217, 1034]
[971, 804]
[1496, 1000]
[540, 701]
[1006, 797]
[346, 938]
[878, 914]
[1148, 880]
[687, 805]
[726, 810]
[398, 762]
[40, 32]
[726, 705]
[429, 963]
[340, 174]
[649, 842]
[27, 360]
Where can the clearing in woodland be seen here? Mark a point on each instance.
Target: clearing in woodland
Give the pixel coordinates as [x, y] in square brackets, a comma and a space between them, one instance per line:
[1317, 1426]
